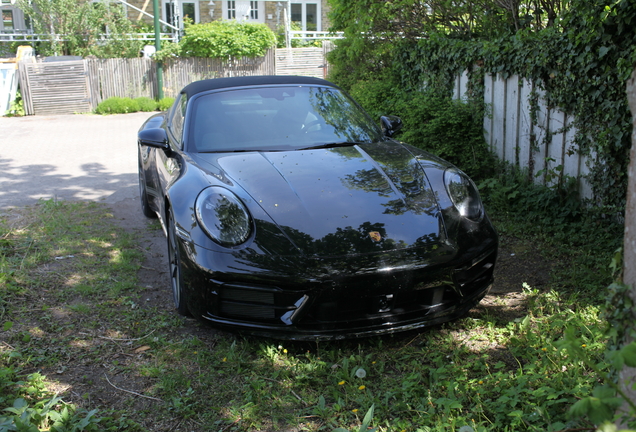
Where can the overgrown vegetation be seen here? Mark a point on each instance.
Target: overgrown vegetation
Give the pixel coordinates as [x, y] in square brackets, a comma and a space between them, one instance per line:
[579, 55]
[82, 26]
[449, 128]
[579, 52]
[36, 269]
[16, 107]
[122, 105]
[73, 310]
[221, 39]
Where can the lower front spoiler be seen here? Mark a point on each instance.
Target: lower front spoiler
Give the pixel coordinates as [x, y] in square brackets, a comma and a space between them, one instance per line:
[377, 325]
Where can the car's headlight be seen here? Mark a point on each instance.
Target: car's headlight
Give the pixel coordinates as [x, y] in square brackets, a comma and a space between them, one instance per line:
[463, 193]
[223, 216]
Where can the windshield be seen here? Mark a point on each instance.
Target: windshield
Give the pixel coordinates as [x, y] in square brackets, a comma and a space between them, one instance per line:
[277, 118]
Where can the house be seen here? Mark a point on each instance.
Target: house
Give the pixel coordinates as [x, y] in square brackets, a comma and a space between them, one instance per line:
[309, 15]
[12, 18]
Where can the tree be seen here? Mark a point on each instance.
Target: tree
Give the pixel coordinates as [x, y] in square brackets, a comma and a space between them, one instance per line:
[76, 27]
[628, 375]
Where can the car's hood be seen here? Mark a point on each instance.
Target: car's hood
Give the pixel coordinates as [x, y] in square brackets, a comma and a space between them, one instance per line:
[340, 201]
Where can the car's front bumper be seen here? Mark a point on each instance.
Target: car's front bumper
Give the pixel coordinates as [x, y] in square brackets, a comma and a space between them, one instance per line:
[331, 298]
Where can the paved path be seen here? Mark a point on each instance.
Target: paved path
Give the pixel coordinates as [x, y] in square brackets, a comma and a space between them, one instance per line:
[70, 157]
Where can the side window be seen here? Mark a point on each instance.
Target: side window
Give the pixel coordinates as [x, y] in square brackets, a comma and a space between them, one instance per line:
[178, 119]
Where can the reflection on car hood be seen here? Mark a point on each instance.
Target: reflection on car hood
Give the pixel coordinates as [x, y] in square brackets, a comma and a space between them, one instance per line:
[340, 201]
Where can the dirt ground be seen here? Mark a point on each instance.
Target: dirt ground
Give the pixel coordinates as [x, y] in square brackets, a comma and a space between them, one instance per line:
[515, 266]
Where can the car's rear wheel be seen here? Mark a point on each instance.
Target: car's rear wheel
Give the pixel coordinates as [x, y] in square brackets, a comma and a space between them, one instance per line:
[174, 260]
[143, 196]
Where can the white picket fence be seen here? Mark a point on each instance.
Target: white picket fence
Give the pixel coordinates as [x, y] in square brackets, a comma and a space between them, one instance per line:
[540, 147]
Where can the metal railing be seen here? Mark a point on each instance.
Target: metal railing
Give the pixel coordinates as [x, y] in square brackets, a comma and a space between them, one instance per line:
[297, 34]
[18, 36]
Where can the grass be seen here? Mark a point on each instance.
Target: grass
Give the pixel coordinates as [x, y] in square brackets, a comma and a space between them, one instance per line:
[76, 337]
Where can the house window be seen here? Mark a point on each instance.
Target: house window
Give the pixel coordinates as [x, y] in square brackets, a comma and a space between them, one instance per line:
[254, 10]
[231, 10]
[7, 19]
[188, 9]
[242, 10]
[306, 14]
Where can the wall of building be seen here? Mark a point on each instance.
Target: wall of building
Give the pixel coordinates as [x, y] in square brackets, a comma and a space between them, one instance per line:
[274, 15]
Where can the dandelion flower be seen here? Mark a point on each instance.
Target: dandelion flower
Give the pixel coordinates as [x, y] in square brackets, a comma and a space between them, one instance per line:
[341, 383]
[354, 410]
[480, 382]
[361, 387]
[583, 346]
[224, 359]
[544, 349]
[285, 351]
[361, 373]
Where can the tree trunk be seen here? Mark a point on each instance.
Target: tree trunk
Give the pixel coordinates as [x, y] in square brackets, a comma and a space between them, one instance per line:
[628, 375]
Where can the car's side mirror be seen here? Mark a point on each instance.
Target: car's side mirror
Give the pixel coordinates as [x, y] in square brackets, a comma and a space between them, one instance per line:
[390, 125]
[154, 137]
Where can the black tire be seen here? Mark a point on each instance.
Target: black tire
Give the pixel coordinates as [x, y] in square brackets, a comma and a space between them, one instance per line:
[174, 263]
[143, 196]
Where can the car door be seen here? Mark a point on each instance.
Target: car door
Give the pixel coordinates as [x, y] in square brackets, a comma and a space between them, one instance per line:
[168, 163]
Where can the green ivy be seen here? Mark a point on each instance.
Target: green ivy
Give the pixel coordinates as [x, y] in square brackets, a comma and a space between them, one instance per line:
[581, 61]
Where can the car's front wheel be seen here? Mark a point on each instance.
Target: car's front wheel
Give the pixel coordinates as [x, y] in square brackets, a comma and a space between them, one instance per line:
[174, 260]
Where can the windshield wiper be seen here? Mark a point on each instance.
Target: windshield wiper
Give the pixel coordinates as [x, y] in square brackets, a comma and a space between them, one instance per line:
[332, 145]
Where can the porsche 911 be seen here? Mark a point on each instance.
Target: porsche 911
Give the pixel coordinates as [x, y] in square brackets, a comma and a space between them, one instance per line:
[290, 213]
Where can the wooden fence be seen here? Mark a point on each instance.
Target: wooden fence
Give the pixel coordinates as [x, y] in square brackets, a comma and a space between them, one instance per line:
[79, 86]
[132, 78]
[69, 87]
[55, 88]
[301, 61]
[543, 146]
[179, 73]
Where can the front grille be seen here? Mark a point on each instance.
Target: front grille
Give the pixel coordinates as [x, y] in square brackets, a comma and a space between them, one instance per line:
[476, 275]
[250, 311]
[403, 304]
[253, 302]
[229, 293]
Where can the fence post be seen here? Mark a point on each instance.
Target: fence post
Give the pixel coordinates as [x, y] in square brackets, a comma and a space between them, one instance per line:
[155, 11]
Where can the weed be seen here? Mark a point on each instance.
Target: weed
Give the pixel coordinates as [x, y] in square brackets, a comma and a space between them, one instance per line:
[81, 315]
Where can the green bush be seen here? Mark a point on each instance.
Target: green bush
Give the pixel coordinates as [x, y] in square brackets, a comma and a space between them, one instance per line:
[165, 103]
[146, 104]
[117, 105]
[451, 129]
[225, 39]
[447, 128]
[168, 51]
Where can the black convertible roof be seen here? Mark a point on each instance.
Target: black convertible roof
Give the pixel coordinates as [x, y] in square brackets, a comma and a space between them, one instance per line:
[219, 83]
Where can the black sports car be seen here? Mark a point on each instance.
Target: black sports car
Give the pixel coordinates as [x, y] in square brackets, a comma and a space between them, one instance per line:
[290, 213]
